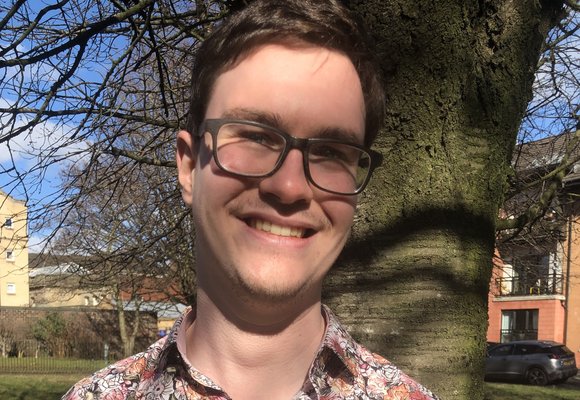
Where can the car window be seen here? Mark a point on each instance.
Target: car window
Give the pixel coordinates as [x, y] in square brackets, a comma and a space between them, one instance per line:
[501, 350]
[525, 349]
[558, 350]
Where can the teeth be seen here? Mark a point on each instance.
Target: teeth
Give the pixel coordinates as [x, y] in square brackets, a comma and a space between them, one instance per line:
[278, 230]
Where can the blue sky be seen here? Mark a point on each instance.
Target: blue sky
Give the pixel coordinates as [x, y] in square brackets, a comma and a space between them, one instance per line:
[45, 150]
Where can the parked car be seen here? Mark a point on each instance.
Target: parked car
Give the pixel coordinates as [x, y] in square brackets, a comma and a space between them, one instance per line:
[537, 362]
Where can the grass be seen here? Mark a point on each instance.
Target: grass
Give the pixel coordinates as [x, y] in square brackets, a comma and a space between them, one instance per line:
[35, 387]
[52, 387]
[44, 365]
[505, 391]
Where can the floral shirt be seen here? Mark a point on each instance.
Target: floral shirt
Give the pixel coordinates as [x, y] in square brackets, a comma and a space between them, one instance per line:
[342, 369]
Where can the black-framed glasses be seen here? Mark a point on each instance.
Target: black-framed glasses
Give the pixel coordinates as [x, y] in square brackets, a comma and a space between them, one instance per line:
[255, 150]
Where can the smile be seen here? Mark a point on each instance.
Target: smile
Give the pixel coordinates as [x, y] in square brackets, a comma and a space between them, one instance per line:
[278, 230]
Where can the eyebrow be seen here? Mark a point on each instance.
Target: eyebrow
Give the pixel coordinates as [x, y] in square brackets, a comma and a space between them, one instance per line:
[341, 134]
[250, 114]
[275, 121]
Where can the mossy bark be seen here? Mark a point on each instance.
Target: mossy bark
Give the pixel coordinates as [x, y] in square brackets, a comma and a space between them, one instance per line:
[413, 282]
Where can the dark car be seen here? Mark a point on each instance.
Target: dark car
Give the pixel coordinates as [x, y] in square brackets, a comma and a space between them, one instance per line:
[534, 361]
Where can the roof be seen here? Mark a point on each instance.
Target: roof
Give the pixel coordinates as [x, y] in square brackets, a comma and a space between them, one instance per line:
[50, 270]
[60, 269]
[543, 343]
[545, 152]
[8, 196]
[531, 160]
[164, 309]
[54, 261]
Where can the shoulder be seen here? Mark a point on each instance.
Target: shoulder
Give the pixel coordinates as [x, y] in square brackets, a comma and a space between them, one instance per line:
[118, 381]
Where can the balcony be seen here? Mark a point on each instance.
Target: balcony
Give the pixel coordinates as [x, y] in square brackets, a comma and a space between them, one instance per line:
[530, 285]
[509, 335]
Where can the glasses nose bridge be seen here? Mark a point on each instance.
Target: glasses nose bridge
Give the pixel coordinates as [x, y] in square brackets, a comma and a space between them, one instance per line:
[300, 144]
[296, 143]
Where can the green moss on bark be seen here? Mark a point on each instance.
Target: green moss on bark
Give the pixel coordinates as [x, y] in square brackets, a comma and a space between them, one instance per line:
[413, 283]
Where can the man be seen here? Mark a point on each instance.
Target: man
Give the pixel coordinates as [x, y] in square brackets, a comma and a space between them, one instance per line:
[285, 102]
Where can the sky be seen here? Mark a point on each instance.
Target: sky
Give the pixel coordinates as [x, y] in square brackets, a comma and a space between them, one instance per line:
[30, 163]
[26, 153]
[50, 139]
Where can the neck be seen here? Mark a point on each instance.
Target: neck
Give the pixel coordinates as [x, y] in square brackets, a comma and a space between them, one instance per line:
[259, 357]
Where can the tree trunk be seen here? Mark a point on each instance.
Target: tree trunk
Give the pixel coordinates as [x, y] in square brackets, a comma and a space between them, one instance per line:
[136, 328]
[412, 284]
[127, 339]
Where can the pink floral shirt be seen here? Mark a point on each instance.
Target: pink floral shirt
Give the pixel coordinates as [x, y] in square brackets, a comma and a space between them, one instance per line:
[342, 369]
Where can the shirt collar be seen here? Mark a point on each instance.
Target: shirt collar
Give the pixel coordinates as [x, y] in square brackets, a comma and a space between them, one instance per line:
[170, 356]
[337, 342]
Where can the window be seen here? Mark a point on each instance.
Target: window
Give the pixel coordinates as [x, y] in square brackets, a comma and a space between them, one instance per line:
[501, 351]
[532, 275]
[11, 288]
[519, 325]
[8, 223]
[525, 349]
[10, 255]
[558, 350]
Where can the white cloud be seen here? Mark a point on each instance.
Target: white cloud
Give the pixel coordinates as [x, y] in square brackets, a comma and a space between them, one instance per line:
[45, 139]
[31, 164]
[36, 243]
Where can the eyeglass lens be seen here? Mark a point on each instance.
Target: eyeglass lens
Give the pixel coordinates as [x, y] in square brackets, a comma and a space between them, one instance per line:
[256, 151]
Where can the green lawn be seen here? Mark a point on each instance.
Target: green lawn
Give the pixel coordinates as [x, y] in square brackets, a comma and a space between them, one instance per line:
[35, 387]
[505, 391]
[52, 387]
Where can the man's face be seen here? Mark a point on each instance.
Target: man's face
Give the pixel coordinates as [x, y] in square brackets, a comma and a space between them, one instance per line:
[242, 224]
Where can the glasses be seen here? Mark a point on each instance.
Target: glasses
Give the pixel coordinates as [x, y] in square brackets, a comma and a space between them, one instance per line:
[254, 150]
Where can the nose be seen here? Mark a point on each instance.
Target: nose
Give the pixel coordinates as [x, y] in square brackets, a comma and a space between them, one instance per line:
[289, 184]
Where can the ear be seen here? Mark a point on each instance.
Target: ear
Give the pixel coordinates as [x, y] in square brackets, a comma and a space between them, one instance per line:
[185, 157]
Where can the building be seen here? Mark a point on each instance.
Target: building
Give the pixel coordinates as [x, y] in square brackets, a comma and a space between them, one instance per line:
[535, 285]
[13, 252]
[58, 281]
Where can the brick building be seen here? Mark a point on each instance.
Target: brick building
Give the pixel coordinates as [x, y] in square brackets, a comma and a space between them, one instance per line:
[535, 285]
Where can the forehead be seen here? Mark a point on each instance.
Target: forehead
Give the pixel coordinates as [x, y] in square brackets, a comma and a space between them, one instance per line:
[305, 85]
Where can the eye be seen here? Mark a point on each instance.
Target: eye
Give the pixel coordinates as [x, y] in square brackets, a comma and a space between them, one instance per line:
[331, 152]
[335, 152]
[254, 135]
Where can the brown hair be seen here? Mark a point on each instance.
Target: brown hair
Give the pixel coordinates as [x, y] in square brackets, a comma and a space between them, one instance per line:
[324, 23]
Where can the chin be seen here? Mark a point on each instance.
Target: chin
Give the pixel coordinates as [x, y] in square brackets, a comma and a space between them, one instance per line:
[267, 292]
